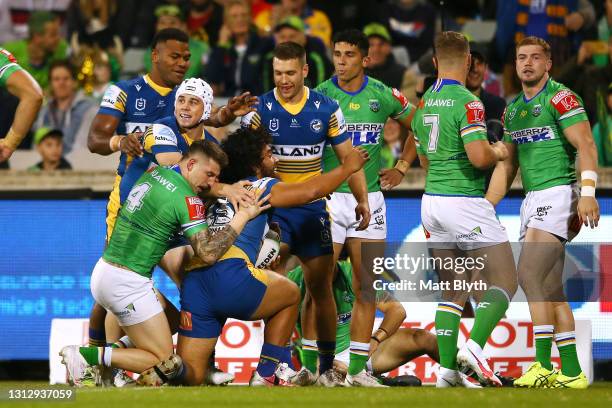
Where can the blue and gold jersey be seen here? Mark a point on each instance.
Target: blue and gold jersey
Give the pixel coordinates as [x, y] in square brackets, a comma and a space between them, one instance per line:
[299, 131]
[163, 136]
[137, 103]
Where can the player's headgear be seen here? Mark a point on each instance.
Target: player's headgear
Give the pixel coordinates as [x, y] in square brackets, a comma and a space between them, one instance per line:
[200, 89]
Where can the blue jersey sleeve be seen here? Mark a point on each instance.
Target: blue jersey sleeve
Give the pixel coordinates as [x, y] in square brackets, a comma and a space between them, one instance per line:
[114, 101]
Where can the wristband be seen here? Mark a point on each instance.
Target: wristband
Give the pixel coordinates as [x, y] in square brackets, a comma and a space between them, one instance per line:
[115, 142]
[12, 139]
[589, 175]
[587, 191]
[402, 166]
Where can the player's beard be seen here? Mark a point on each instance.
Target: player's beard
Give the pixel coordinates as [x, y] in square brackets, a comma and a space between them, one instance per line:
[533, 82]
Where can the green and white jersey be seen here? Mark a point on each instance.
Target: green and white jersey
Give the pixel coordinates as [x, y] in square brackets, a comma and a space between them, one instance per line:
[160, 204]
[449, 117]
[8, 65]
[365, 112]
[546, 158]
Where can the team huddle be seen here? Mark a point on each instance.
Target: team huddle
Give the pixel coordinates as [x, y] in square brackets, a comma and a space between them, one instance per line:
[302, 177]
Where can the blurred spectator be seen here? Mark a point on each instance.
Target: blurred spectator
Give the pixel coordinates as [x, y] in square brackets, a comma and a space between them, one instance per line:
[292, 29]
[394, 137]
[590, 82]
[49, 145]
[204, 20]
[556, 21]
[412, 25]
[92, 23]
[93, 71]
[170, 16]
[382, 65]
[21, 10]
[604, 29]
[67, 109]
[494, 105]
[43, 46]
[234, 62]
[602, 132]
[316, 22]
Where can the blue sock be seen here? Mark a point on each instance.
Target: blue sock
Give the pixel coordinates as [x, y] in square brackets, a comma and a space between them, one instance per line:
[327, 351]
[270, 356]
[287, 357]
[97, 338]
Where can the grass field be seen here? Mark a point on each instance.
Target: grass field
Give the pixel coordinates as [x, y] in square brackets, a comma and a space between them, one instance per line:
[599, 395]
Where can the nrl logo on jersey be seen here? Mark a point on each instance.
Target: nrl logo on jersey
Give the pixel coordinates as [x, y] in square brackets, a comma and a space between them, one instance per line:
[512, 114]
[140, 103]
[273, 125]
[374, 105]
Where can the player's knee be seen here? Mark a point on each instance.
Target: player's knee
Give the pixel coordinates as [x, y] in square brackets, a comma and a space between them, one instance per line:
[426, 340]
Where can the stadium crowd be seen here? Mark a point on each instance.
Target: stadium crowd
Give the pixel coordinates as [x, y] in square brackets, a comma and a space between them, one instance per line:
[76, 49]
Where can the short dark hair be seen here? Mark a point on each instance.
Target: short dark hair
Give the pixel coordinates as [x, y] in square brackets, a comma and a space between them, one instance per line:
[209, 149]
[168, 34]
[290, 50]
[61, 64]
[244, 147]
[354, 37]
[532, 40]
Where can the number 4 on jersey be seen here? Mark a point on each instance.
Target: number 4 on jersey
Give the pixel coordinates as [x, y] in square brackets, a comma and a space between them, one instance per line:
[133, 202]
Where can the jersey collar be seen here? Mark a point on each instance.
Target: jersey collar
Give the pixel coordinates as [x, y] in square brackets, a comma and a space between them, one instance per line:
[293, 108]
[162, 90]
[363, 85]
[539, 92]
[444, 81]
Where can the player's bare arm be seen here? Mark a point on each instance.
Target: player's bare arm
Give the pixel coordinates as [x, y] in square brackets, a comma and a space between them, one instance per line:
[424, 162]
[24, 87]
[503, 176]
[483, 156]
[293, 194]
[390, 178]
[358, 186]
[394, 315]
[209, 246]
[102, 139]
[580, 136]
[237, 106]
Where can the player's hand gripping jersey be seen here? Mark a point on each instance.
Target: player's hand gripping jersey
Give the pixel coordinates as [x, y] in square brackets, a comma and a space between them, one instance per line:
[448, 117]
[546, 157]
[161, 204]
[8, 65]
[299, 131]
[366, 112]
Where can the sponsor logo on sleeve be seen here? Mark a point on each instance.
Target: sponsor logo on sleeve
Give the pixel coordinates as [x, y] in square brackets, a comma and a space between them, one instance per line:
[8, 55]
[196, 208]
[401, 98]
[564, 101]
[111, 96]
[475, 112]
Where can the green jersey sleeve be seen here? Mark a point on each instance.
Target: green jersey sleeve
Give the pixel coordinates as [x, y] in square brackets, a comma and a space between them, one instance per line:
[8, 66]
[192, 215]
[400, 107]
[567, 108]
[471, 117]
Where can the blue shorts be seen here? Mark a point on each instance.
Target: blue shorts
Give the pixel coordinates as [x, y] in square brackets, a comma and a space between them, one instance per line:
[229, 288]
[306, 229]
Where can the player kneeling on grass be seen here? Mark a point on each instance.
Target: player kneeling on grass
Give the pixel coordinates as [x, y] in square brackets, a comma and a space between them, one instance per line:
[163, 202]
[234, 287]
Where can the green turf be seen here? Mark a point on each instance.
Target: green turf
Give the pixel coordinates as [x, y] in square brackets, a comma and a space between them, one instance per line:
[599, 395]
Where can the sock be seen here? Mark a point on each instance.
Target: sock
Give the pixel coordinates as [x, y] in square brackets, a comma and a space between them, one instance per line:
[287, 357]
[566, 343]
[448, 316]
[97, 338]
[327, 352]
[97, 355]
[358, 357]
[107, 352]
[310, 355]
[270, 356]
[123, 342]
[543, 341]
[490, 310]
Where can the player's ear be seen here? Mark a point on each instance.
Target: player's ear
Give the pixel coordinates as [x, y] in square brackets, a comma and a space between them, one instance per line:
[305, 70]
[435, 62]
[154, 55]
[365, 61]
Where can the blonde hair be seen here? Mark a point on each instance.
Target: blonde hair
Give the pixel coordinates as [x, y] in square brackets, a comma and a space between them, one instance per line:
[451, 46]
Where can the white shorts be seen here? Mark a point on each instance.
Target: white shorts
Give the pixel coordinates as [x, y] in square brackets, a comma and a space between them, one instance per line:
[341, 208]
[552, 210]
[460, 222]
[124, 293]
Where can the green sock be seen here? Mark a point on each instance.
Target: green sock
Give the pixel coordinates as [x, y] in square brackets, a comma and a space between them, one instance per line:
[566, 343]
[310, 355]
[91, 355]
[488, 313]
[543, 342]
[358, 357]
[448, 316]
